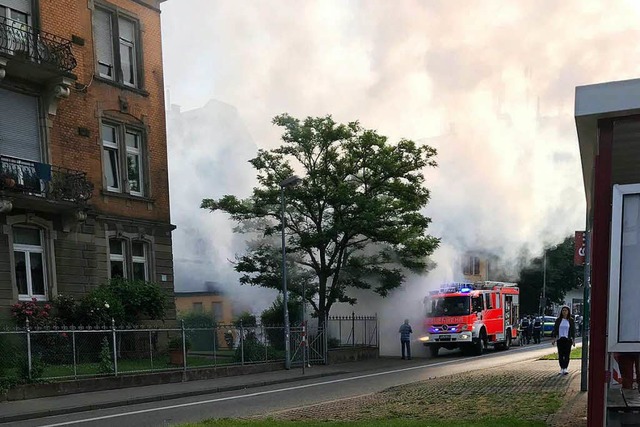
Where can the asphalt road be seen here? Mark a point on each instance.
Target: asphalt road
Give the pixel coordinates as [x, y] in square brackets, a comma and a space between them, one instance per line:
[285, 396]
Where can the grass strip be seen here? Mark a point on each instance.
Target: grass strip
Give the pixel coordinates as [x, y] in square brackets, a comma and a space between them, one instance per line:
[488, 422]
[576, 353]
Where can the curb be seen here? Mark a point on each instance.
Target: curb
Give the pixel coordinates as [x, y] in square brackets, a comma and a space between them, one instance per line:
[156, 398]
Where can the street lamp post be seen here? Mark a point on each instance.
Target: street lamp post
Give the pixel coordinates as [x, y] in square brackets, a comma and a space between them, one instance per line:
[289, 182]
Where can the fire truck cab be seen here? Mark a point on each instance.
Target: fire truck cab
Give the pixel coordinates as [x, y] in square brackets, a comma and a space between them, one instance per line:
[471, 316]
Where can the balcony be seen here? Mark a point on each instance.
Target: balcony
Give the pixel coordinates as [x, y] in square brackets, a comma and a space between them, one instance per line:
[25, 46]
[40, 181]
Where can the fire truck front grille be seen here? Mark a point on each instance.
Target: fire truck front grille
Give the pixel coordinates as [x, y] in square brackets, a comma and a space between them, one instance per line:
[445, 328]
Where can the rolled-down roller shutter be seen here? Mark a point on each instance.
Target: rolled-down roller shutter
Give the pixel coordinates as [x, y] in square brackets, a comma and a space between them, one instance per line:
[19, 126]
[23, 6]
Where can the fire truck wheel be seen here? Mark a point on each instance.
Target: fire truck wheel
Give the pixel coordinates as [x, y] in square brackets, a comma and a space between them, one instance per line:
[480, 344]
[433, 350]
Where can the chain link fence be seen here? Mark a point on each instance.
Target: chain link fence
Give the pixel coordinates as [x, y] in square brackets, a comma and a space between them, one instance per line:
[83, 352]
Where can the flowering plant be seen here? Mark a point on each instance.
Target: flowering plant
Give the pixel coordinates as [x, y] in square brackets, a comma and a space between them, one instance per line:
[37, 314]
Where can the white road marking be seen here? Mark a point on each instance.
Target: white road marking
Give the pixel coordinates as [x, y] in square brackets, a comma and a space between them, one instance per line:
[262, 393]
[259, 393]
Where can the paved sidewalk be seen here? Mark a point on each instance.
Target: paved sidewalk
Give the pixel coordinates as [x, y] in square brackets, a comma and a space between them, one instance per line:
[538, 374]
[50, 406]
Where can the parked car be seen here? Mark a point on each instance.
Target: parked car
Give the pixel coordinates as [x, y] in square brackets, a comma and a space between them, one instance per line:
[547, 325]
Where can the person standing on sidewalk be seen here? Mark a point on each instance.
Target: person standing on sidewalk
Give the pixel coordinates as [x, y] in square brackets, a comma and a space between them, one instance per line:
[405, 338]
[564, 331]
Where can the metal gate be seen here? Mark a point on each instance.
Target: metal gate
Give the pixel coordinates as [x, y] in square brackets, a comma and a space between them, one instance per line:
[313, 350]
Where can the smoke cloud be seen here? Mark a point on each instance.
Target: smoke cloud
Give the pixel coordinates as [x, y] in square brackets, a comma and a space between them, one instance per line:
[489, 84]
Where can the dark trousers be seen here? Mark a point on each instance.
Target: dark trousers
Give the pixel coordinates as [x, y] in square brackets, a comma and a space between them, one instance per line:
[536, 336]
[564, 350]
[407, 345]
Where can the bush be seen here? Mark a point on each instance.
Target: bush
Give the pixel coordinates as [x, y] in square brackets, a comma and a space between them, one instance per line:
[175, 343]
[126, 301]
[246, 319]
[105, 364]
[255, 351]
[274, 315]
[39, 315]
[37, 369]
[66, 309]
[204, 337]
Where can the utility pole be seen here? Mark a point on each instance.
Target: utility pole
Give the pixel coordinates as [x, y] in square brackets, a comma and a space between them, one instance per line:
[544, 283]
[289, 182]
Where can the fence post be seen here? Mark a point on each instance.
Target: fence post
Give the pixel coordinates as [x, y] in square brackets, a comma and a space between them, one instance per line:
[304, 344]
[366, 341]
[75, 361]
[184, 347]
[151, 349]
[325, 334]
[29, 347]
[215, 341]
[241, 343]
[353, 328]
[115, 349]
[266, 343]
[377, 334]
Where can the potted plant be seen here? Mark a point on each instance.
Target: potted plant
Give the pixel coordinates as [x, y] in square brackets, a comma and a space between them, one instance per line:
[176, 354]
[8, 179]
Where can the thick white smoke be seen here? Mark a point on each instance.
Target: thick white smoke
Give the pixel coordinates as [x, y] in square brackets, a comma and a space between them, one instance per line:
[490, 84]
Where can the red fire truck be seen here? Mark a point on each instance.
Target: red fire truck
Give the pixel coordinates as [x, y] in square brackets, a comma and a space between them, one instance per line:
[471, 316]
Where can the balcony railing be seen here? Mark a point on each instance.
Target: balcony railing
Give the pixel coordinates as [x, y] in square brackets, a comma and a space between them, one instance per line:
[43, 180]
[19, 39]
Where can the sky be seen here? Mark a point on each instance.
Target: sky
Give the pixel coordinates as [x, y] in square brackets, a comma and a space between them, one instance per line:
[490, 84]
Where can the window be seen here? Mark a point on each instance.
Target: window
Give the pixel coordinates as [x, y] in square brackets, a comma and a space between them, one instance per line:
[197, 307]
[116, 44]
[29, 257]
[134, 167]
[216, 310]
[128, 260]
[487, 301]
[471, 266]
[139, 261]
[123, 144]
[19, 129]
[16, 23]
[117, 258]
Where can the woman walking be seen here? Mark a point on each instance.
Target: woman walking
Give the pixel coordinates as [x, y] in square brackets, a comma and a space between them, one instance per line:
[564, 331]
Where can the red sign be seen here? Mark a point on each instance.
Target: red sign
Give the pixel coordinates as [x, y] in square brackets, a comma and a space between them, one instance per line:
[580, 248]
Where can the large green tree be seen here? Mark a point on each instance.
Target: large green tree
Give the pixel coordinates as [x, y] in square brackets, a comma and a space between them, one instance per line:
[561, 276]
[353, 223]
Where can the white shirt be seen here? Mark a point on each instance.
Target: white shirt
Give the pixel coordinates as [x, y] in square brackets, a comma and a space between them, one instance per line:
[563, 330]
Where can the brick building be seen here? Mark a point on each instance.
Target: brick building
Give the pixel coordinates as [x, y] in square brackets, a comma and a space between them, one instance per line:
[83, 155]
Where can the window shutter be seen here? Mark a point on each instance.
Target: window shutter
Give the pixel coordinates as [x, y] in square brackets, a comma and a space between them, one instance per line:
[19, 129]
[23, 6]
[103, 37]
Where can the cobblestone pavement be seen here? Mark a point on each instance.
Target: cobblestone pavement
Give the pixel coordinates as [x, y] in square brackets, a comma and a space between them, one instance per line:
[490, 392]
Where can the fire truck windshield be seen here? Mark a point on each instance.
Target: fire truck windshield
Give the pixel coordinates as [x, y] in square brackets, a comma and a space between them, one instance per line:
[448, 306]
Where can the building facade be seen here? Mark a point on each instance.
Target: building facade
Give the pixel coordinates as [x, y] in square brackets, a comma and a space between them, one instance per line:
[474, 267]
[84, 190]
[214, 303]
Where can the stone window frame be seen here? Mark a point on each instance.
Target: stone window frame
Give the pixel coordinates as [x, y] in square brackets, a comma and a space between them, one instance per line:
[469, 265]
[127, 239]
[49, 258]
[121, 129]
[117, 13]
